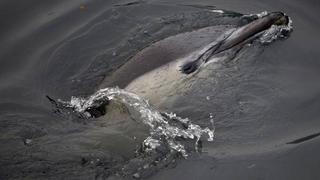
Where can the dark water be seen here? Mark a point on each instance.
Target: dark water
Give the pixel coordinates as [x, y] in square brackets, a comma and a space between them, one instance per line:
[265, 106]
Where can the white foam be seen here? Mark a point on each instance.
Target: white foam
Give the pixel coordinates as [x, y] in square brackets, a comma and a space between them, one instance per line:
[276, 32]
[217, 11]
[160, 123]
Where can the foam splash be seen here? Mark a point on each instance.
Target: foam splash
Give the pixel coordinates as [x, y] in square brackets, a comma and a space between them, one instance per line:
[262, 14]
[217, 11]
[257, 15]
[165, 128]
[276, 32]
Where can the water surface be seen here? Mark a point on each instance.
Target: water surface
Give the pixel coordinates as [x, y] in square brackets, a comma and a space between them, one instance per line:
[263, 105]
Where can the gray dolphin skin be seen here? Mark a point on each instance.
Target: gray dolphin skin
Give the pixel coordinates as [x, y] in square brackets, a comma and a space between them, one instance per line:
[236, 37]
[155, 72]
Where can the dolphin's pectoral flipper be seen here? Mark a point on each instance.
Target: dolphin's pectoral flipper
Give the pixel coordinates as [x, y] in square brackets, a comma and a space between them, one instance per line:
[192, 66]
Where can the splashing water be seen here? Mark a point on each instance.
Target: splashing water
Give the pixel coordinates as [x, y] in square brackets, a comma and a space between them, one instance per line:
[276, 32]
[161, 124]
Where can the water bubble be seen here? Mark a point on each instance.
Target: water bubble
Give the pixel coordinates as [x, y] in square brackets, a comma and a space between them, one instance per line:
[136, 175]
[27, 142]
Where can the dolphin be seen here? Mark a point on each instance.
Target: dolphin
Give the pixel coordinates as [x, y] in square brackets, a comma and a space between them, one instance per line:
[158, 73]
[163, 69]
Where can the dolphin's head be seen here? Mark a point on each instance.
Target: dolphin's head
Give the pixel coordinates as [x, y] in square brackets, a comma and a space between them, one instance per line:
[279, 18]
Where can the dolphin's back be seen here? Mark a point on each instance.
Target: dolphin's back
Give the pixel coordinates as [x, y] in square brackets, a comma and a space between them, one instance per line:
[163, 52]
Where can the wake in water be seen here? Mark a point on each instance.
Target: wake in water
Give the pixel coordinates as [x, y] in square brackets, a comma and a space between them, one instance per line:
[161, 124]
[168, 133]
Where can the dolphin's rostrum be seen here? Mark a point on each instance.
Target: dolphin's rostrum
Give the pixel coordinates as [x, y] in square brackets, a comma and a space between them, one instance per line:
[238, 36]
